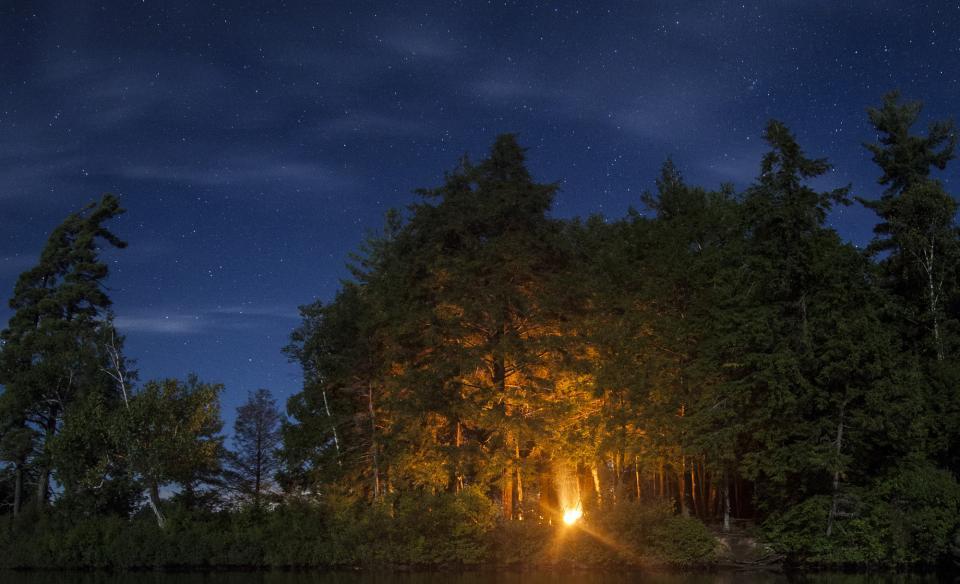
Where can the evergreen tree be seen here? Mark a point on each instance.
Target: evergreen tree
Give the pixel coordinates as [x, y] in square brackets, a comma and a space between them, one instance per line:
[252, 463]
[917, 232]
[917, 243]
[52, 355]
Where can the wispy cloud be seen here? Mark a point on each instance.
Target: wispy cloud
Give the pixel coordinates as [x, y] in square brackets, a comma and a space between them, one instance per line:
[740, 168]
[421, 43]
[176, 324]
[243, 170]
[220, 318]
[377, 124]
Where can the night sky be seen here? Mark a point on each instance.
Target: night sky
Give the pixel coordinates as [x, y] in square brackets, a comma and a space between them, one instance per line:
[255, 143]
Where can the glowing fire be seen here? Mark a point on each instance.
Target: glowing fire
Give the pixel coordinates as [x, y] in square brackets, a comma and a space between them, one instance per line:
[570, 516]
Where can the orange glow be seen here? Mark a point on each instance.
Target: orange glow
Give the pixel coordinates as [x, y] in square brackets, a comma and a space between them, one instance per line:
[570, 516]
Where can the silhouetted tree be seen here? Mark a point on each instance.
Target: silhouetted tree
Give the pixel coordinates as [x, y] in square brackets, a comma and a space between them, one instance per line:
[253, 462]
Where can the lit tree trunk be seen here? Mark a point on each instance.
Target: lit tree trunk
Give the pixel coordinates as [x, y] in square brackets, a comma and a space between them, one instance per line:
[373, 444]
[333, 427]
[694, 499]
[726, 500]
[704, 487]
[500, 384]
[549, 499]
[595, 473]
[516, 466]
[507, 494]
[933, 295]
[836, 472]
[458, 471]
[153, 496]
[682, 486]
[682, 473]
[636, 472]
[618, 470]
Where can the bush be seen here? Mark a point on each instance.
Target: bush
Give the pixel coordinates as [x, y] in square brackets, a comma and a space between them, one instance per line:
[631, 534]
[908, 519]
[426, 530]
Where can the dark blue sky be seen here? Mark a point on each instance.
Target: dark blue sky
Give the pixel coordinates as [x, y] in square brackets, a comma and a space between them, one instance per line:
[254, 143]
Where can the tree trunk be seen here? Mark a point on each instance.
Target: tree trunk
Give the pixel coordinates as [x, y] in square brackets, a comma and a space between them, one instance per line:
[704, 487]
[17, 489]
[662, 477]
[682, 486]
[258, 470]
[333, 427]
[373, 444]
[549, 498]
[595, 472]
[836, 472]
[516, 466]
[458, 471]
[153, 496]
[726, 501]
[43, 480]
[636, 473]
[694, 499]
[506, 494]
[934, 301]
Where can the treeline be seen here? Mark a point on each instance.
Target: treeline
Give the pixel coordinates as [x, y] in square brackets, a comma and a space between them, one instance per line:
[726, 356]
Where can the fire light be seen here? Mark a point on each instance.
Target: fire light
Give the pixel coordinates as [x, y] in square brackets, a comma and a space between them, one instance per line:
[570, 516]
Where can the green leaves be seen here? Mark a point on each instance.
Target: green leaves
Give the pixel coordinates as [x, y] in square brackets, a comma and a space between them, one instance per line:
[172, 431]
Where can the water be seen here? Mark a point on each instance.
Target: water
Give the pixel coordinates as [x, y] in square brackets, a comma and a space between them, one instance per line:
[455, 578]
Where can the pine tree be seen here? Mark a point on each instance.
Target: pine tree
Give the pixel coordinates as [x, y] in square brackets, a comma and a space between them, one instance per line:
[252, 463]
[917, 229]
[52, 356]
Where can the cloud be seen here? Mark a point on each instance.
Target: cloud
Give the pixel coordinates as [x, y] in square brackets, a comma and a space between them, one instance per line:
[740, 168]
[177, 324]
[220, 318]
[421, 44]
[372, 123]
[243, 170]
[26, 170]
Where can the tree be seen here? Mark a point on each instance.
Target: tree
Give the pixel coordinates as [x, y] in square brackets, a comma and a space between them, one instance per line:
[52, 355]
[256, 439]
[917, 229]
[17, 446]
[171, 435]
[483, 263]
[437, 366]
[907, 159]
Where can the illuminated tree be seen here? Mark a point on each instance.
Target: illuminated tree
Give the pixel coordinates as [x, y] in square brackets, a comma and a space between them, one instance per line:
[171, 435]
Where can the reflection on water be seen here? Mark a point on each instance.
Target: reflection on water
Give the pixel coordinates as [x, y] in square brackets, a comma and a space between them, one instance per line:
[454, 578]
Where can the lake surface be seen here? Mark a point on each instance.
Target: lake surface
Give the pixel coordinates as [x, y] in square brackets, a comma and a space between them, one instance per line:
[454, 578]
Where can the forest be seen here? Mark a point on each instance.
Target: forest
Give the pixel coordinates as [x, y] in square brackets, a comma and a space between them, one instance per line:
[495, 386]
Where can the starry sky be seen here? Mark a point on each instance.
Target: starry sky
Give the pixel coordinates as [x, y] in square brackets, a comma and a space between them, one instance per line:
[254, 144]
